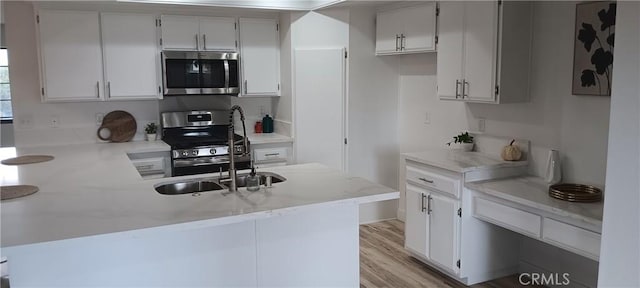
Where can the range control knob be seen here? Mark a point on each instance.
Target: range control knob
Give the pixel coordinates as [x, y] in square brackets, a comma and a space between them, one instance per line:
[194, 152]
[212, 151]
[185, 153]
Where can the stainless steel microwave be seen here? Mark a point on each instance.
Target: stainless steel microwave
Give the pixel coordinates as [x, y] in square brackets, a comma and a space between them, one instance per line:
[200, 73]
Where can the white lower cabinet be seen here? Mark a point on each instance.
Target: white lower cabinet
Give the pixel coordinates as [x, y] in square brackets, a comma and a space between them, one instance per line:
[432, 227]
[441, 231]
[445, 223]
[416, 223]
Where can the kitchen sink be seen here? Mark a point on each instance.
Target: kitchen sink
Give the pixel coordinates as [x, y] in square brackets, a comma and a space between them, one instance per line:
[241, 178]
[212, 184]
[188, 187]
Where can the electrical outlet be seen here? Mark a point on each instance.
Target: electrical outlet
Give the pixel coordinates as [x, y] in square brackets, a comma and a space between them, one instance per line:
[427, 118]
[55, 121]
[99, 117]
[481, 125]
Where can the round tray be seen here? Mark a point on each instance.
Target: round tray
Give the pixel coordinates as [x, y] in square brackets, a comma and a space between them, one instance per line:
[575, 192]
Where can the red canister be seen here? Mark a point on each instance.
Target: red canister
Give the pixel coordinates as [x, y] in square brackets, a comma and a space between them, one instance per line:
[258, 127]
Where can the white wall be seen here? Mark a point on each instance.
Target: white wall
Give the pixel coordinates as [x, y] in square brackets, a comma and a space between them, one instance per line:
[371, 86]
[283, 105]
[373, 112]
[620, 249]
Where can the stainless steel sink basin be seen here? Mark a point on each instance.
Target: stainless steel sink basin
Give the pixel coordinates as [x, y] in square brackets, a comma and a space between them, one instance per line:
[188, 187]
[211, 184]
[241, 179]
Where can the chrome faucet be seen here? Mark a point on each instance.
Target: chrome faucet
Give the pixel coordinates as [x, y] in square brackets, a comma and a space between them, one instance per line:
[231, 149]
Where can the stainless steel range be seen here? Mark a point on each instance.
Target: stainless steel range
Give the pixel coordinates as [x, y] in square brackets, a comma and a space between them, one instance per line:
[199, 142]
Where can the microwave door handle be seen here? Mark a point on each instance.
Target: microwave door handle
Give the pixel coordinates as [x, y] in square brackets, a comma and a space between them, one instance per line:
[226, 74]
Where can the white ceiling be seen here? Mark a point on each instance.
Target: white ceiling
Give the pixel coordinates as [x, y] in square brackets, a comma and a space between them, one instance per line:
[256, 4]
[305, 5]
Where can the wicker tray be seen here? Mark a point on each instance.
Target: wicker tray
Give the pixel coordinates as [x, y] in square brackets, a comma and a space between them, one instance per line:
[575, 193]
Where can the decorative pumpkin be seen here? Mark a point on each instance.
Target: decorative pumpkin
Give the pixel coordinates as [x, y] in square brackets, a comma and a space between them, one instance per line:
[511, 152]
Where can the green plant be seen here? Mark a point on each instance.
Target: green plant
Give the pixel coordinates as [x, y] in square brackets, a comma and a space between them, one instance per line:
[151, 128]
[462, 138]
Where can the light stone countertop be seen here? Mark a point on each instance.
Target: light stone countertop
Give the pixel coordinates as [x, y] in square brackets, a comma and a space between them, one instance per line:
[93, 189]
[533, 192]
[268, 138]
[459, 161]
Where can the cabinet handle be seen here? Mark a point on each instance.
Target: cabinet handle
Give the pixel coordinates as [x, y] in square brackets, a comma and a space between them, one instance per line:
[109, 89]
[272, 154]
[426, 180]
[204, 42]
[246, 87]
[197, 42]
[397, 38]
[465, 84]
[457, 89]
[402, 40]
[423, 207]
[429, 205]
[98, 88]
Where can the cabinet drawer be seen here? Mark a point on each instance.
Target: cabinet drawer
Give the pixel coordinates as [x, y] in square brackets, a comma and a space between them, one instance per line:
[271, 154]
[149, 166]
[432, 179]
[507, 217]
[579, 240]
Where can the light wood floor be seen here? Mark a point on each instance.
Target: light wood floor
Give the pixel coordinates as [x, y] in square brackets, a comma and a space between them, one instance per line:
[385, 263]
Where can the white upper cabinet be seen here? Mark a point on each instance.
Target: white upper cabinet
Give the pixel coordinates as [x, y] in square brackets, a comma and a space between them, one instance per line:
[180, 32]
[218, 34]
[71, 56]
[484, 51]
[260, 57]
[406, 30]
[450, 49]
[198, 33]
[130, 56]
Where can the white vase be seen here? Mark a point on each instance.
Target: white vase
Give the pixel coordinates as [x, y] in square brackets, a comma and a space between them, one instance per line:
[554, 168]
[151, 137]
[466, 147]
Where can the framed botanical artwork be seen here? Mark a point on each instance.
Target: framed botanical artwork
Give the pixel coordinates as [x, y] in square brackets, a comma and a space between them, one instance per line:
[593, 49]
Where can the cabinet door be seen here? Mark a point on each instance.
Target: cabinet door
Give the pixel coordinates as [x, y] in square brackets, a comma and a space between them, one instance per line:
[450, 49]
[388, 30]
[71, 55]
[180, 32]
[130, 56]
[480, 41]
[419, 28]
[218, 34]
[416, 225]
[443, 235]
[260, 57]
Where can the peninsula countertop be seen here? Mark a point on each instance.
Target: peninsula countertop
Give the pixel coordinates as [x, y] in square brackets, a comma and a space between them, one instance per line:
[94, 189]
